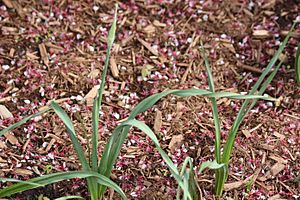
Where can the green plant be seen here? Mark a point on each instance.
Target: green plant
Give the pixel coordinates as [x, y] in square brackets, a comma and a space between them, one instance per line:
[221, 162]
[98, 173]
[89, 172]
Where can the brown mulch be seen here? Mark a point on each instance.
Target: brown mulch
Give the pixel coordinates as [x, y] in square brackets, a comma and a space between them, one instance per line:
[56, 50]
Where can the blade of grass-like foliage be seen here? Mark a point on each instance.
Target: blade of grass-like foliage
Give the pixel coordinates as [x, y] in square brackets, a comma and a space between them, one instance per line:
[120, 133]
[70, 128]
[92, 185]
[19, 181]
[191, 186]
[186, 177]
[144, 128]
[111, 151]
[211, 165]
[113, 147]
[229, 143]
[69, 197]
[297, 65]
[98, 99]
[214, 107]
[23, 121]
[151, 100]
[57, 177]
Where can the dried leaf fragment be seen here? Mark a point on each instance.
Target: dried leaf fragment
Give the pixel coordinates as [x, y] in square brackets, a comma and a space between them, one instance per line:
[23, 172]
[149, 29]
[89, 97]
[175, 142]
[158, 121]
[11, 138]
[246, 133]
[148, 46]
[159, 24]
[4, 112]
[8, 3]
[44, 54]
[113, 67]
[277, 168]
[261, 34]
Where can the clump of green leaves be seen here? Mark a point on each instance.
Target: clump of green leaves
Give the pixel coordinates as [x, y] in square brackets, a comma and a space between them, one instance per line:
[90, 172]
[98, 173]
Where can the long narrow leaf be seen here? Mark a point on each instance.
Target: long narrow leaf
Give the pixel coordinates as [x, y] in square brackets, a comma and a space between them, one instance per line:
[211, 165]
[143, 127]
[19, 181]
[98, 99]
[23, 121]
[69, 197]
[92, 185]
[113, 147]
[229, 143]
[57, 177]
[214, 107]
[70, 128]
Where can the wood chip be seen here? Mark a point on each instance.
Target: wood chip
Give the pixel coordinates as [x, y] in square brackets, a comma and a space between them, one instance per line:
[294, 34]
[8, 3]
[158, 122]
[278, 159]
[12, 52]
[52, 141]
[275, 197]
[89, 97]
[149, 29]
[176, 142]
[148, 46]
[113, 67]
[9, 29]
[94, 73]
[277, 168]
[31, 56]
[159, 24]
[18, 8]
[246, 133]
[44, 54]
[53, 46]
[11, 138]
[2, 145]
[267, 147]
[238, 184]
[23, 172]
[230, 47]
[261, 34]
[4, 112]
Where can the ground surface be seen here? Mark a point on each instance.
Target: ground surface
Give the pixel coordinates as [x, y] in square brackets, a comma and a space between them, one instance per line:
[55, 50]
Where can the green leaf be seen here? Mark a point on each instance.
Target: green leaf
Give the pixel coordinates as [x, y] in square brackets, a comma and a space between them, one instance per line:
[146, 70]
[98, 100]
[70, 128]
[23, 121]
[243, 110]
[69, 197]
[297, 179]
[19, 181]
[92, 185]
[143, 127]
[211, 165]
[214, 107]
[57, 177]
[297, 65]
